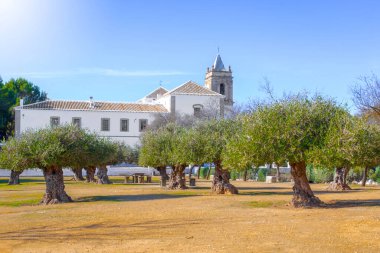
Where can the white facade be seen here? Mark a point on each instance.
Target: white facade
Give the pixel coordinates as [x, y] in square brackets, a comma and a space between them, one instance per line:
[91, 120]
[188, 98]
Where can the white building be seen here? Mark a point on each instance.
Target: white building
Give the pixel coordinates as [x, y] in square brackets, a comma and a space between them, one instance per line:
[125, 121]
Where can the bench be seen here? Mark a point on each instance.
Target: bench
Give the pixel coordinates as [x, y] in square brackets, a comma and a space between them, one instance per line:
[137, 178]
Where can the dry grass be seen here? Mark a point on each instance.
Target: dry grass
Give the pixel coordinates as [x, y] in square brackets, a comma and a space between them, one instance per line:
[144, 218]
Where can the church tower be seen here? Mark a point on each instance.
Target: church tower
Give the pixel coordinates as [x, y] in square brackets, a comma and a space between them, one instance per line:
[219, 79]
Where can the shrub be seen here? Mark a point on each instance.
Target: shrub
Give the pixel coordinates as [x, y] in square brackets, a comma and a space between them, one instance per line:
[375, 176]
[262, 174]
[319, 175]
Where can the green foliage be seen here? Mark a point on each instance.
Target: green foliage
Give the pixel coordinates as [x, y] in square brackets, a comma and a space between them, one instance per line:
[261, 174]
[319, 174]
[10, 95]
[65, 146]
[375, 176]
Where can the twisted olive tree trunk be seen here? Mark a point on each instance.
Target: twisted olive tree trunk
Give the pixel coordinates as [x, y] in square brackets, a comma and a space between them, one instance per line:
[278, 172]
[14, 178]
[163, 175]
[340, 180]
[177, 178]
[245, 175]
[365, 175]
[303, 196]
[78, 176]
[102, 175]
[90, 174]
[221, 183]
[55, 187]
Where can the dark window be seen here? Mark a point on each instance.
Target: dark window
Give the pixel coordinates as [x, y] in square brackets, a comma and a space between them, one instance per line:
[54, 121]
[143, 124]
[222, 89]
[105, 124]
[197, 111]
[124, 125]
[77, 122]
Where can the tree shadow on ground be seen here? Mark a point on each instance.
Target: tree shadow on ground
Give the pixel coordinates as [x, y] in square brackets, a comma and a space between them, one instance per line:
[123, 198]
[23, 180]
[290, 192]
[353, 203]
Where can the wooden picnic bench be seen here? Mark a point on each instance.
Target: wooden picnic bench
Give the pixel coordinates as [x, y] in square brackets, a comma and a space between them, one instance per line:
[137, 178]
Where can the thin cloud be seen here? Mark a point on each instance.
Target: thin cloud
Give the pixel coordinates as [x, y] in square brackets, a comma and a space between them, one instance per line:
[98, 71]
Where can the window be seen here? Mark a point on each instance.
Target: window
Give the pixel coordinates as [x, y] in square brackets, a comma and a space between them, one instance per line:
[54, 121]
[197, 110]
[77, 122]
[124, 125]
[222, 89]
[143, 124]
[105, 124]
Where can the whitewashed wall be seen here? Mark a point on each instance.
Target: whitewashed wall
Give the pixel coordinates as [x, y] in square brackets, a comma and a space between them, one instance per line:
[36, 119]
[185, 103]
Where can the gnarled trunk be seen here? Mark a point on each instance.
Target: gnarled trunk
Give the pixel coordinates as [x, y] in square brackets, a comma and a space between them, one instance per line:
[163, 175]
[221, 183]
[208, 172]
[245, 174]
[278, 172]
[365, 175]
[102, 175]
[177, 178]
[90, 174]
[78, 176]
[340, 182]
[303, 196]
[55, 187]
[14, 177]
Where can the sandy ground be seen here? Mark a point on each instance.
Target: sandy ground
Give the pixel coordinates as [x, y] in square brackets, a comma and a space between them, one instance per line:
[145, 218]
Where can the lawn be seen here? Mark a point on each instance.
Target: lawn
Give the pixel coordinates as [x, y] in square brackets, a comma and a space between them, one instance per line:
[145, 218]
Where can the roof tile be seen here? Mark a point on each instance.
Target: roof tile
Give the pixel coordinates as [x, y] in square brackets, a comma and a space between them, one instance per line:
[98, 106]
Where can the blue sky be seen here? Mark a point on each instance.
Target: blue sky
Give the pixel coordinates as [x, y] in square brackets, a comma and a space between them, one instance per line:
[121, 50]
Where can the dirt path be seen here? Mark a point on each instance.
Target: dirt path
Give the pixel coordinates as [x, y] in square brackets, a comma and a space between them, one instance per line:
[119, 218]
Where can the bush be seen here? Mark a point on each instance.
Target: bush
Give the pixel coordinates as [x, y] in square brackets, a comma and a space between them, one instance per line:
[203, 172]
[262, 174]
[375, 176]
[234, 175]
[319, 175]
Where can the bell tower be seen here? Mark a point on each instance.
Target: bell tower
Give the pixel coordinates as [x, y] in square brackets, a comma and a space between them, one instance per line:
[219, 79]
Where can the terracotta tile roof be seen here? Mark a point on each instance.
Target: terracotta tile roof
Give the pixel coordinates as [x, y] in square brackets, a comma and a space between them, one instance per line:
[191, 88]
[158, 91]
[98, 106]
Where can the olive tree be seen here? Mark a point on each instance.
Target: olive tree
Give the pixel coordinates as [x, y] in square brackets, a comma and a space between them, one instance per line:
[154, 150]
[287, 130]
[366, 143]
[49, 150]
[215, 135]
[337, 150]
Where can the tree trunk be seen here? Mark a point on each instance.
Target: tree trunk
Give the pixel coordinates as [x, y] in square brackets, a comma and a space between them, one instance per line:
[278, 172]
[340, 182]
[78, 176]
[365, 174]
[199, 171]
[303, 196]
[55, 187]
[208, 172]
[245, 175]
[163, 175]
[221, 183]
[190, 172]
[102, 175]
[90, 174]
[177, 178]
[14, 177]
